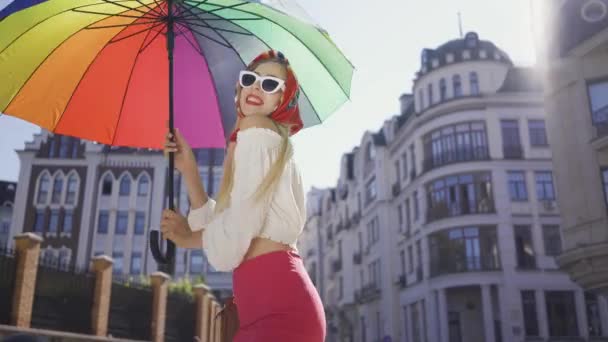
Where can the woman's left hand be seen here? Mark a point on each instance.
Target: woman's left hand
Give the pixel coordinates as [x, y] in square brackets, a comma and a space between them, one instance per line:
[175, 227]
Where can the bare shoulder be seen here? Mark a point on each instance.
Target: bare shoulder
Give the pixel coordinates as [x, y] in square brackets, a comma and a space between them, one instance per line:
[256, 121]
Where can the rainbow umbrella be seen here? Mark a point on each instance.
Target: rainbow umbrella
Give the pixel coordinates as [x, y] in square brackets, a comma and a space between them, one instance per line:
[116, 71]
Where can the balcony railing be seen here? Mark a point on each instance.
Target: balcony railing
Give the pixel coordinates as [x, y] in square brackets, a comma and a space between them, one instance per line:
[357, 258]
[454, 264]
[337, 265]
[456, 156]
[367, 294]
[396, 189]
[402, 281]
[443, 210]
[513, 152]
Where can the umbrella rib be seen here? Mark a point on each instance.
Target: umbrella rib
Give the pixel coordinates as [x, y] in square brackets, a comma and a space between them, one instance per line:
[122, 25]
[217, 28]
[212, 39]
[124, 98]
[113, 15]
[152, 9]
[123, 6]
[136, 33]
[207, 26]
[151, 40]
[53, 16]
[182, 33]
[160, 8]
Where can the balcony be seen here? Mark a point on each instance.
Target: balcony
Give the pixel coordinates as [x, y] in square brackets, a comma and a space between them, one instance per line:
[455, 156]
[336, 266]
[402, 281]
[513, 152]
[444, 210]
[357, 258]
[396, 189]
[454, 264]
[367, 294]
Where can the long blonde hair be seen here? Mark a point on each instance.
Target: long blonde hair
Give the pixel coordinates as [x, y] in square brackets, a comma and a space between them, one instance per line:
[271, 179]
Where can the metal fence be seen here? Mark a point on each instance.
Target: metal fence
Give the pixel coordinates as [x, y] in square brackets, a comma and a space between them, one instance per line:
[130, 311]
[8, 265]
[181, 316]
[63, 297]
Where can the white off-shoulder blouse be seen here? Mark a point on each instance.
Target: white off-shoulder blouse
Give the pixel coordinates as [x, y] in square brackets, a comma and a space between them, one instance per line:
[280, 216]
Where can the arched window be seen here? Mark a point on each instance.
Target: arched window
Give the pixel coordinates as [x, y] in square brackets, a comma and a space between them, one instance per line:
[457, 84]
[43, 188]
[443, 90]
[430, 94]
[72, 189]
[106, 185]
[143, 186]
[57, 188]
[474, 82]
[370, 152]
[125, 186]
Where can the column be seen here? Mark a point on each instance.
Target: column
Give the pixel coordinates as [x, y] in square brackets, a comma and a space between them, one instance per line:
[160, 284]
[603, 308]
[102, 266]
[203, 312]
[581, 313]
[443, 315]
[28, 250]
[541, 312]
[488, 313]
[431, 312]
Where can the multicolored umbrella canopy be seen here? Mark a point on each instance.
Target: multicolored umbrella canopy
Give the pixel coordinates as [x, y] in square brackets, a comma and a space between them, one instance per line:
[98, 69]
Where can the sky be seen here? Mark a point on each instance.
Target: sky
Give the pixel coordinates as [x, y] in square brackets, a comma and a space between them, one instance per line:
[383, 39]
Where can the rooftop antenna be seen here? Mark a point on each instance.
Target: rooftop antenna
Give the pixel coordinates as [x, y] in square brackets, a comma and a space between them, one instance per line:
[460, 24]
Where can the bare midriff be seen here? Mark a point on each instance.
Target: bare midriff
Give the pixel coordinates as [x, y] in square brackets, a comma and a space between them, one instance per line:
[261, 246]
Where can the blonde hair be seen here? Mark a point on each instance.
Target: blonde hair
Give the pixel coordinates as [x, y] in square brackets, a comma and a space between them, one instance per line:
[271, 179]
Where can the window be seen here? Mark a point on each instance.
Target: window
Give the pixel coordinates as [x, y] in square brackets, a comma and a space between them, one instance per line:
[340, 287]
[421, 105]
[455, 143]
[106, 187]
[64, 146]
[43, 189]
[594, 321]
[142, 186]
[410, 258]
[408, 219]
[538, 133]
[373, 231]
[57, 189]
[400, 217]
[511, 144]
[54, 221]
[460, 195]
[415, 322]
[67, 222]
[474, 83]
[102, 222]
[75, 146]
[524, 247]
[216, 181]
[544, 186]
[605, 183]
[416, 206]
[370, 152]
[140, 221]
[528, 300]
[5, 227]
[598, 98]
[398, 170]
[517, 186]
[457, 84]
[64, 259]
[122, 219]
[375, 277]
[125, 186]
[561, 313]
[430, 94]
[443, 90]
[404, 161]
[402, 259]
[363, 330]
[71, 195]
[464, 249]
[419, 255]
[413, 161]
[117, 267]
[552, 240]
[39, 221]
[52, 146]
[370, 191]
[196, 262]
[135, 263]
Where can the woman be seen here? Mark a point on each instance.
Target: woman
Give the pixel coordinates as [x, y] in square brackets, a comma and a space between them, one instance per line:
[260, 211]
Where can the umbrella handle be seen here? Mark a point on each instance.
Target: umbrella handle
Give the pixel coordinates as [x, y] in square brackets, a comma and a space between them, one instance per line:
[155, 241]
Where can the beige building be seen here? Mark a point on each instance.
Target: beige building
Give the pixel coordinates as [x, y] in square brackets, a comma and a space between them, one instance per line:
[444, 225]
[576, 68]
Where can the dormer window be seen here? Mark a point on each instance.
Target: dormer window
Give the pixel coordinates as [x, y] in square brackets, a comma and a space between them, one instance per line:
[466, 54]
[449, 58]
[435, 62]
[424, 57]
[483, 54]
[471, 40]
[370, 152]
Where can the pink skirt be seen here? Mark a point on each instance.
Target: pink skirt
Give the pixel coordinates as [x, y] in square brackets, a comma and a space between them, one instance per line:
[277, 301]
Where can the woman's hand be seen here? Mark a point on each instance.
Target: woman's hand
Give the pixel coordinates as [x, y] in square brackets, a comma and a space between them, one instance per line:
[184, 157]
[175, 227]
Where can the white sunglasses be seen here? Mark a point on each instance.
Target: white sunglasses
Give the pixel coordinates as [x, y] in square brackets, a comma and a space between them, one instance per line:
[269, 84]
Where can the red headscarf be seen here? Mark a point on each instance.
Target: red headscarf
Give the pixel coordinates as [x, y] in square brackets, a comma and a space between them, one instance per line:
[288, 112]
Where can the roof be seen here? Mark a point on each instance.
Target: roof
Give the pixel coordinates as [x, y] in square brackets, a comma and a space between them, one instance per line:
[521, 79]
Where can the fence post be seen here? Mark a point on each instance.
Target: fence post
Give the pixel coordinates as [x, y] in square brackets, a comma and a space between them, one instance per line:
[203, 312]
[160, 284]
[102, 266]
[213, 310]
[218, 323]
[28, 250]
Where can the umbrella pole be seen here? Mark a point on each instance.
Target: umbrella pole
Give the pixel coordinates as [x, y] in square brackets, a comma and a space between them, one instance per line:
[166, 262]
